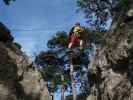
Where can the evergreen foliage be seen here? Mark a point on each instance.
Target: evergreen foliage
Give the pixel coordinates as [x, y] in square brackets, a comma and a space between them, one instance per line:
[56, 61]
[7, 2]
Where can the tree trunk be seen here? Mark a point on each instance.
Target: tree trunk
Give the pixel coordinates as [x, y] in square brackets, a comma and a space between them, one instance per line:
[62, 92]
[73, 83]
[62, 88]
[52, 96]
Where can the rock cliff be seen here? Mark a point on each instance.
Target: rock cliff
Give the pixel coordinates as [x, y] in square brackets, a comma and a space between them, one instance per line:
[19, 78]
[113, 65]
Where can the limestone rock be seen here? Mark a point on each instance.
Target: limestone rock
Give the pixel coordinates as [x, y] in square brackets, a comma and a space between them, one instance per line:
[112, 78]
[19, 78]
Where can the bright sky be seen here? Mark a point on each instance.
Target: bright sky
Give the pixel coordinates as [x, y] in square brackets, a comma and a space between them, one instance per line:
[33, 22]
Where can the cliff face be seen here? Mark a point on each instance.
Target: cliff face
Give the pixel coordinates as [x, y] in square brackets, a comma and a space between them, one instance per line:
[113, 65]
[19, 78]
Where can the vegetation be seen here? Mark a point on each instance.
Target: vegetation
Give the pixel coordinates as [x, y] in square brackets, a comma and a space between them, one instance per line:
[60, 40]
[98, 12]
[124, 3]
[55, 62]
[7, 2]
[53, 68]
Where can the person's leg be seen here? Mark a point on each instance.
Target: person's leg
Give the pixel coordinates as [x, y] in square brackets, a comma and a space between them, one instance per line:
[70, 45]
[81, 45]
[72, 42]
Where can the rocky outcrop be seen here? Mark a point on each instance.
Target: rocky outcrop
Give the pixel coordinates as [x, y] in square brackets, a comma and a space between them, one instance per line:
[19, 78]
[5, 34]
[113, 65]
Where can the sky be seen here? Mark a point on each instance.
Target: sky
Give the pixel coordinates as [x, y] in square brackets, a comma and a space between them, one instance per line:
[33, 22]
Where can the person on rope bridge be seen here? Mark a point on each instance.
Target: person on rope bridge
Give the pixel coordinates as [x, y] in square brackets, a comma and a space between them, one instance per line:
[75, 36]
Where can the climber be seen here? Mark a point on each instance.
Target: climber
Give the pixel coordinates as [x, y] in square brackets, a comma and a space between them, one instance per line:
[75, 36]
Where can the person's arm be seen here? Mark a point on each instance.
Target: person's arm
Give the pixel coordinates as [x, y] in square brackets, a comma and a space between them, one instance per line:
[71, 31]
